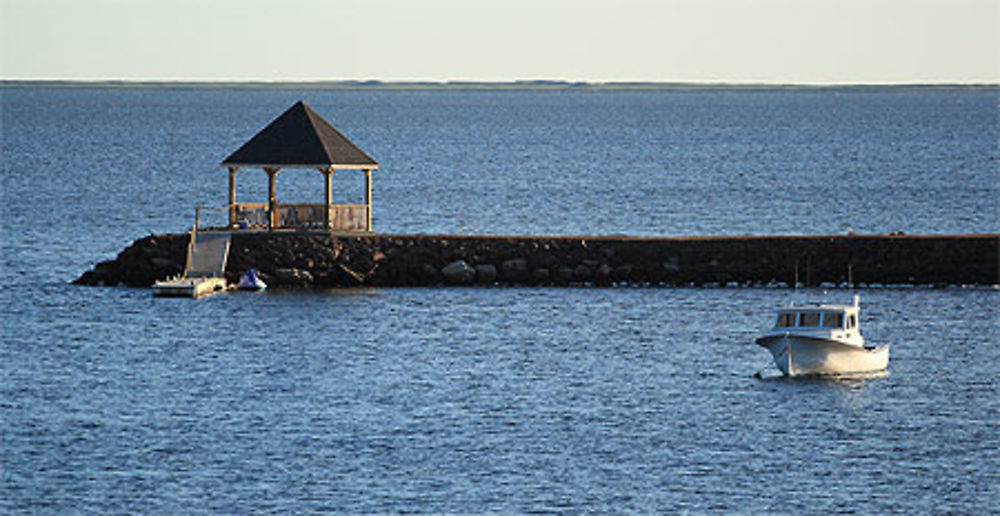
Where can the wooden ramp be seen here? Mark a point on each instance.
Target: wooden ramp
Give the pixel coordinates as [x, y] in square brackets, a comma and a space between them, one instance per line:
[204, 272]
[207, 255]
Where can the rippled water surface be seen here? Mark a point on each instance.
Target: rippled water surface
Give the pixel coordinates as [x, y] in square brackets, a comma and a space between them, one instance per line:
[487, 399]
[460, 400]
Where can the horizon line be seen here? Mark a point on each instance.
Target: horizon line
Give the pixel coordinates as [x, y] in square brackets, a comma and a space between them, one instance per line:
[472, 83]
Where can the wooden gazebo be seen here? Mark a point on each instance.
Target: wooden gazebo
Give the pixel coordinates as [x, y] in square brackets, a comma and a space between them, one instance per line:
[300, 138]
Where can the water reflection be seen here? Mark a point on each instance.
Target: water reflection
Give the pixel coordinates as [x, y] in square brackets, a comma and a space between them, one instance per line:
[774, 375]
[314, 292]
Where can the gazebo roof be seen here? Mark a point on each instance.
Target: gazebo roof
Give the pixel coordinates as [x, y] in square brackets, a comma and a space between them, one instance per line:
[300, 138]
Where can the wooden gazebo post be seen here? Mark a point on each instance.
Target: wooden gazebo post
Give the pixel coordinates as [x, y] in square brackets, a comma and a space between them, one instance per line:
[368, 199]
[272, 198]
[327, 195]
[232, 196]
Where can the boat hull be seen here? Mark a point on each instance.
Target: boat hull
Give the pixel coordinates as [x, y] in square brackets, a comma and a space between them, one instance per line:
[188, 287]
[799, 356]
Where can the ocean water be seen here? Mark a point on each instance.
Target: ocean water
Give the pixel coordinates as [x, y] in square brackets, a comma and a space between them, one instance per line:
[487, 399]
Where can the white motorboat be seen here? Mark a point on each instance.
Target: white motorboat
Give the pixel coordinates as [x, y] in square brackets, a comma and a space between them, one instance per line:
[822, 339]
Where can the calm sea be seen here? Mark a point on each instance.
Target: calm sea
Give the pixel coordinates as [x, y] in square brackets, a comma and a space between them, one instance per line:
[486, 399]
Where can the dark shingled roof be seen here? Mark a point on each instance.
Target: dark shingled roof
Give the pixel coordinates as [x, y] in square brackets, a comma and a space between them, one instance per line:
[300, 138]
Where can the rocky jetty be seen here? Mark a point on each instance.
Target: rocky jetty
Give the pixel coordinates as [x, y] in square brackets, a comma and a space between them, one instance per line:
[323, 260]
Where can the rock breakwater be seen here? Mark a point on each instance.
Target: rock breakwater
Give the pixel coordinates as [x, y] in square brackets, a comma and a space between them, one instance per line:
[322, 260]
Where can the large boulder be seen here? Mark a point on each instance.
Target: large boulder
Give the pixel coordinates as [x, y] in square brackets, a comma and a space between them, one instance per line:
[603, 274]
[514, 270]
[623, 272]
[426, 274]
[582, 273]
[672, 264]
[486, 274]
[458, 273]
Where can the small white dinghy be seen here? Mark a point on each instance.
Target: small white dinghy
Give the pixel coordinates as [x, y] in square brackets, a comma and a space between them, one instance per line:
[822, 339]
[189, 286]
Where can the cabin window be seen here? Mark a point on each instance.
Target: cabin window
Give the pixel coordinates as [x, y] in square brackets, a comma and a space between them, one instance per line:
[809, 319]
[832, 320]
[850, 322]
[786, 320]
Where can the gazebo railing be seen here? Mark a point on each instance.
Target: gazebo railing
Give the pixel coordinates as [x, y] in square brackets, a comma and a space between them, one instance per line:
[349, 217]
[305, 216]
[343, 217]
[251, 214]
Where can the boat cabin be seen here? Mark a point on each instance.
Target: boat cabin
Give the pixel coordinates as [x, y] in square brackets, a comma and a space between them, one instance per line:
[819, 316]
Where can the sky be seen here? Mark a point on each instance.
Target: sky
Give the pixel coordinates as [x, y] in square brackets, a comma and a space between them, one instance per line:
[715, 41]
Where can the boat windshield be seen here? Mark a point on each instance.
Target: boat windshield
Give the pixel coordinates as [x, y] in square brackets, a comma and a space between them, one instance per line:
[833, 320]
[816, 319]
[809, 319]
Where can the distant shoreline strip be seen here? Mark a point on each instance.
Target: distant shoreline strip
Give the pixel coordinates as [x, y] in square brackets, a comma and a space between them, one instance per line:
[536, 85]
